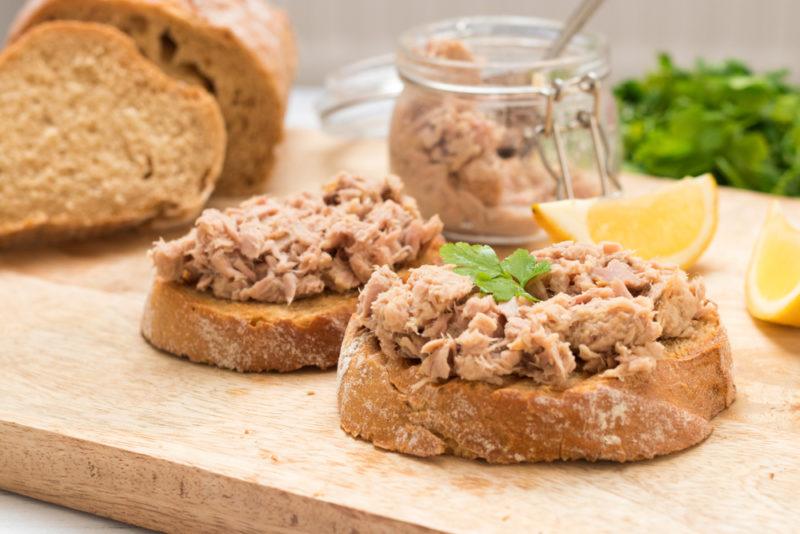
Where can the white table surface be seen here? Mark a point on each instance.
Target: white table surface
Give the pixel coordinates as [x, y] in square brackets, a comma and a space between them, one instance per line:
[21, 515]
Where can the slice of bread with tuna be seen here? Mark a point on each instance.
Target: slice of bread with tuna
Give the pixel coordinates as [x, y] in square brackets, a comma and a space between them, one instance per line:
[270, 285]
[606, 357]
[96, 138]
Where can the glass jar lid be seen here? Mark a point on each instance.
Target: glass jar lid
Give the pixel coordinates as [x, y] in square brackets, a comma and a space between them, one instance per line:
[357, 101]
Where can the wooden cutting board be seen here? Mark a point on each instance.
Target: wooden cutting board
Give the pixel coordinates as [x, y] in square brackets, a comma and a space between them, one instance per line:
[93, 418]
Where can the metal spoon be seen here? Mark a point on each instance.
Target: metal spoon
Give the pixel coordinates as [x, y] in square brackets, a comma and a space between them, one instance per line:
[573, 25]
[576, 21]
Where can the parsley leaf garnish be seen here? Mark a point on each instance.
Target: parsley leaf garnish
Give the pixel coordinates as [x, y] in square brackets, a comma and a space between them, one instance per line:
[503, 280]
[471, 259]
[524, 267]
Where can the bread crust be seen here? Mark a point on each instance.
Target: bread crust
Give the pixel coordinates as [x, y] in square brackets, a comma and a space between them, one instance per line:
[256, 36]
[41, 229]
[252, 336]
[246, 336]
[595, 418]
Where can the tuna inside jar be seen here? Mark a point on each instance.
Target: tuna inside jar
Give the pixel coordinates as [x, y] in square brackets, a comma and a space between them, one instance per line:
[466, 130]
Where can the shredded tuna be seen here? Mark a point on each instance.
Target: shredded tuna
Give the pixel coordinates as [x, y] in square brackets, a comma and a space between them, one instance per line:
[278, 250]
[471, 162]
[449, 49]
[602, 310]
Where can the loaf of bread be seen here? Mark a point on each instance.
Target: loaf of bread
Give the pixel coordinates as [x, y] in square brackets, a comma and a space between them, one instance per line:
[241, 51]
[95, 137]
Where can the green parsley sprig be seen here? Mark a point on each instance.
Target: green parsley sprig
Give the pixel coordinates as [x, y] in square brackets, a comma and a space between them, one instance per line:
[503, 280]
[742, 126]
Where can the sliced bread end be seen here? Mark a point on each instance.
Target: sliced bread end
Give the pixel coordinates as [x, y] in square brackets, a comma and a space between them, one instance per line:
[97, 138]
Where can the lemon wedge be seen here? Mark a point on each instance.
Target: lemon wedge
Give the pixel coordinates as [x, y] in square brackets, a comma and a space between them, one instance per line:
[773, 278]
[674, 224]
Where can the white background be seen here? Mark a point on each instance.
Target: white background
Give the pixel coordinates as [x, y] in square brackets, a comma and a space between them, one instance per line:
[764, 32]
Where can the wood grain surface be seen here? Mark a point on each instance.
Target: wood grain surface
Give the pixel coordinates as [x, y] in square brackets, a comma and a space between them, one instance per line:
[93, 418]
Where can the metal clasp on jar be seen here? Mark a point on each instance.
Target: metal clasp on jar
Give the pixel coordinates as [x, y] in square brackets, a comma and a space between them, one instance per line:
[582, 119]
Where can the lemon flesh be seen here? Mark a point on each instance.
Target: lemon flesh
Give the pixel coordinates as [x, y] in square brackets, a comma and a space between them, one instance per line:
[655, 225]
[674, 224]
[773, 280]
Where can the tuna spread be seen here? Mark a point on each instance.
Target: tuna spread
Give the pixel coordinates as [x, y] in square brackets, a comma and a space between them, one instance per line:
[280, 249]
[602, 309]
[469, 160]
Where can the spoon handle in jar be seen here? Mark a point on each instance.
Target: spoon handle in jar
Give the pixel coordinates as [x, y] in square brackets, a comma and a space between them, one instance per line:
[573, 25]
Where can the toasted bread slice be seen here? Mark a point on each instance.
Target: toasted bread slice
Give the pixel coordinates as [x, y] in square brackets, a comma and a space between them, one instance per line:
[252, 336]
[382, 400]
[96, 137]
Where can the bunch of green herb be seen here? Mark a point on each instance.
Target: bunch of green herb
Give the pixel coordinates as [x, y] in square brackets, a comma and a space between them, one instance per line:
[724, 119]
[503, 280]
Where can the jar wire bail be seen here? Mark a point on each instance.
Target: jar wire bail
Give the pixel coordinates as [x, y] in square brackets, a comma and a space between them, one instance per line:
[582, 119]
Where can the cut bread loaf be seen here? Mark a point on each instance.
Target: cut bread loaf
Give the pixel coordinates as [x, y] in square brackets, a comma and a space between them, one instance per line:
[96, 138]
[382, 400]
[252, 336]
[241, 51]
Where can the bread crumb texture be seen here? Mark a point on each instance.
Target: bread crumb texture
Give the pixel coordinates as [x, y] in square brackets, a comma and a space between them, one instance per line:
[240, 51]
[95, 136]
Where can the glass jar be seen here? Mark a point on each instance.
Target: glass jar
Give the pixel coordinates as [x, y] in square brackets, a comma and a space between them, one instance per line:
[484, 127]
[480, 125]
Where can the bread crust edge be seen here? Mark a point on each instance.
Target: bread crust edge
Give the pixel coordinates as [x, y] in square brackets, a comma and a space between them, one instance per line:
[598, 418]
[246, 337]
